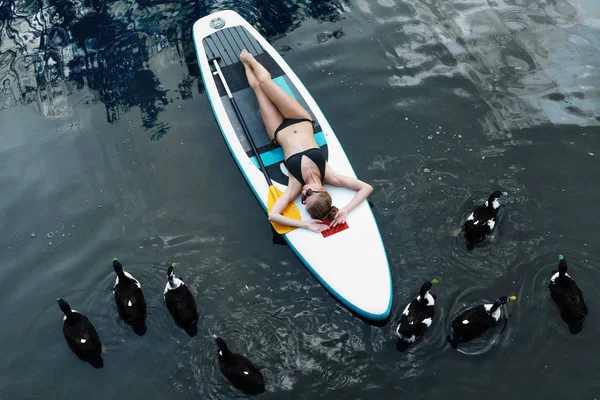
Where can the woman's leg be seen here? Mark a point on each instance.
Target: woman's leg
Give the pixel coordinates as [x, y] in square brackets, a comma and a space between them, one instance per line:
[271, 116]
[287, 106]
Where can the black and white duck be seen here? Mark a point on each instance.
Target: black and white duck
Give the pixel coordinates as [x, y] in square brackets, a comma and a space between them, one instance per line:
[130, 300]
[482, 220]
[567, 295]
[180, 301]
[475, 321]
[240, 371]
[417, 317]
[81, 335]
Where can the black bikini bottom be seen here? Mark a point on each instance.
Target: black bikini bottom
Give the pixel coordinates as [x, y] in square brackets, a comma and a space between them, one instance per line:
[289, 122]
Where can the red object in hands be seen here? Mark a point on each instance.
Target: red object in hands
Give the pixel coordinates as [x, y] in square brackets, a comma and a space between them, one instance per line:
[335, 229]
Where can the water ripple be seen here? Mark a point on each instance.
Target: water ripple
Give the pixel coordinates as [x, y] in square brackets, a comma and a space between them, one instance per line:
[470, 98]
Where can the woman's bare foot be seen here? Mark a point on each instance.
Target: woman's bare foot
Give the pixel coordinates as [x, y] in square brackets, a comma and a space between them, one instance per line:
[246, 57]
[252, 81]
[260, 72]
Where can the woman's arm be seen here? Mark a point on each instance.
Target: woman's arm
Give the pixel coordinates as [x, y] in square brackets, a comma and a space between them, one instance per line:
[363, 190]
[276, 213]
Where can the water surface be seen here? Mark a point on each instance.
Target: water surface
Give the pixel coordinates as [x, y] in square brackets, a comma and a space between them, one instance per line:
[110, 149]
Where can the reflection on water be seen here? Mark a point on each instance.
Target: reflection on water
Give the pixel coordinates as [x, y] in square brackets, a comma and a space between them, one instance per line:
[51, 49]
[103, 48]
[514, 57]
[518, 60]
[60, 47]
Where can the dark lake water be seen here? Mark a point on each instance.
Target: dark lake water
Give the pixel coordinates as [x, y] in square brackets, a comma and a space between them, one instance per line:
[109, 148]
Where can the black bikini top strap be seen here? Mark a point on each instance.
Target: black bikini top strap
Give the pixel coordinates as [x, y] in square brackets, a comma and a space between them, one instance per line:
[322, 165]
[294, 166]
[317, 156]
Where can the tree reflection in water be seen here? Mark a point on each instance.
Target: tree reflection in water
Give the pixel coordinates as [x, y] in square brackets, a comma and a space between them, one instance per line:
[49, 50]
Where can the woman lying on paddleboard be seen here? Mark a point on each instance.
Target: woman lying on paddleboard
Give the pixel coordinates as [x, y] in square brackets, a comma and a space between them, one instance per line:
[290, 126]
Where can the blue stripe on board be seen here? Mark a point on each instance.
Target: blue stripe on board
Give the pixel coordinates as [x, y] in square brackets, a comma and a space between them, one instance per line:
[276, 155]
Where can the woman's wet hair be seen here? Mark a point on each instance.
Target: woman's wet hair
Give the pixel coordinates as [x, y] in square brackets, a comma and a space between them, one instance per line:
[321, 207]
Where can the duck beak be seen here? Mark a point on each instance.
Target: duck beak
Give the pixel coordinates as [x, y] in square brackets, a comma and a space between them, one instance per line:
[512, 298]
[434, 282]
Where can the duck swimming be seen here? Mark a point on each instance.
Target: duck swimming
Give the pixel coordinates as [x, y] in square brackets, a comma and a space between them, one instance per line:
[481, 221]
[130, 300]
[180, 301]
[475, 321]
[567, 295]
[418, 315]
[81, 335]
[240, 371]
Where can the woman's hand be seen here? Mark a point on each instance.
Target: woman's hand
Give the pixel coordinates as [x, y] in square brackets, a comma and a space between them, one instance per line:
[363, 190]
[316, 226]
[340, 218]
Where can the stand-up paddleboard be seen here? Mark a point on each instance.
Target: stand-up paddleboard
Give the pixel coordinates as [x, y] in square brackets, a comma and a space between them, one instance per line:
[352, 263]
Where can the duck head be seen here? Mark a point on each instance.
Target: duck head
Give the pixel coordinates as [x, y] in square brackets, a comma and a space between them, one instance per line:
[425, 289]
[562, 266]
[492, 203]
[171, 272]
[500, 301]
[118, 267]
[65, 307]
[505, 299]
[223, 349]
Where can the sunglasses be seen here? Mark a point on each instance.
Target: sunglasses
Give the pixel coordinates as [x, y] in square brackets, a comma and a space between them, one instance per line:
[309, 193]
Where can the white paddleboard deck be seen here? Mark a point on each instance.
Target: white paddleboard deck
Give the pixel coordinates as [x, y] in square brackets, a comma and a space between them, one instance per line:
[351, 264]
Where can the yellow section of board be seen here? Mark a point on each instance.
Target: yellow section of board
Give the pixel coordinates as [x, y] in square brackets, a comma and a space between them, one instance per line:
[291, 211]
